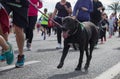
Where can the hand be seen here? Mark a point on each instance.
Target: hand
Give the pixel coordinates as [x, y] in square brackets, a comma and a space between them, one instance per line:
[100, 8]
[73, 17]
[84, 9]
[66, 7]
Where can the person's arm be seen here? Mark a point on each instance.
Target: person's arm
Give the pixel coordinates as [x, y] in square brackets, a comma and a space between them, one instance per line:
[91, 6]
[84, 8]
[40, 18]
[55, 10]
[68, 8]
[100, 7]
[75, 8]
[40, 4]
[54, 13]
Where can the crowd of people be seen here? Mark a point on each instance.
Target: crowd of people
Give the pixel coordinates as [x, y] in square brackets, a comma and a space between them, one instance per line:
[25, 17]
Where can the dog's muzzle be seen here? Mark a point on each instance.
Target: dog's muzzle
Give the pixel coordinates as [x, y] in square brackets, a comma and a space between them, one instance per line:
[66, 34]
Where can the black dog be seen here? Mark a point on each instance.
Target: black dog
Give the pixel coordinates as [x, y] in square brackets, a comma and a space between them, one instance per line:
[82, 34]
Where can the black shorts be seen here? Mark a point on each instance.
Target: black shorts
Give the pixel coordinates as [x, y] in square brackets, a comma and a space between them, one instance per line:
[20, 17]
[44, 26]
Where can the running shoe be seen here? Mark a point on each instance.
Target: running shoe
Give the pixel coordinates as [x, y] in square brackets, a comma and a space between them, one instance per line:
[2, 58]
[28, 46]
[8, 55]
[20, 61]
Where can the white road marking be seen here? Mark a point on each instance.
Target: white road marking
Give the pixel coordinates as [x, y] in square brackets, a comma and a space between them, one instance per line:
[13, 66]
[110, 73]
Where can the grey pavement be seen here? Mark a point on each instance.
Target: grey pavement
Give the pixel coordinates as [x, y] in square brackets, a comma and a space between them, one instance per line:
[117, 76]
[104, 57]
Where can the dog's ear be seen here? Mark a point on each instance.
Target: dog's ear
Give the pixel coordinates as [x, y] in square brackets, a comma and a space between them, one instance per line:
[67, 19]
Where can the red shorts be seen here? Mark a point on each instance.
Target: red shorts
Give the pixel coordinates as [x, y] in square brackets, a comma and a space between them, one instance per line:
[4, 20]
[38, 25]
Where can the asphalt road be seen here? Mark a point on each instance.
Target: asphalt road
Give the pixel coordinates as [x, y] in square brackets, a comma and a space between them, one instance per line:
[47, 58]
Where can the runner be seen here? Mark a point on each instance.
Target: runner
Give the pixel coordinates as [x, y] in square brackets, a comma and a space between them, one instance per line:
[7, 51]
[62, 9]
[20, 21]
[32, 17]
[44, 22]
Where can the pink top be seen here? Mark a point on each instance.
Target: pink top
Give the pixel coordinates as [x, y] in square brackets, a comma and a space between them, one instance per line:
[31, 10]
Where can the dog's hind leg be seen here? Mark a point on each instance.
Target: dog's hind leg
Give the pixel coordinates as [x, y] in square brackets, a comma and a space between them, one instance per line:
[90, 56]
[64, 54]
[87, 56]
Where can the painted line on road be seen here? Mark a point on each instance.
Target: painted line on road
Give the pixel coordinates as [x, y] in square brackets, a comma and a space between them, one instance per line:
[110, 73]
[13, 66]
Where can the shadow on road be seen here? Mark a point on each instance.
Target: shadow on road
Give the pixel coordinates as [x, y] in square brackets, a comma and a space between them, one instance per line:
[53, 49]
[70, 75]
[48, 49]
[118, 48]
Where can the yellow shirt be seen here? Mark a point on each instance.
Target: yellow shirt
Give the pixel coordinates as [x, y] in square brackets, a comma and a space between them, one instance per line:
[44, 20]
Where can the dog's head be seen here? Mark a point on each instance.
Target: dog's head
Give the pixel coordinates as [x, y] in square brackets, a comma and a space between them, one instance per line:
[68, 26]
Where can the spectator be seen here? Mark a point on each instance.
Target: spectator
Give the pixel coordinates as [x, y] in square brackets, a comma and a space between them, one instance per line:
[111, 21]
[119, 25]
[103, 27]
[95, 15]
[82, 10]
[97, 11]
[62, 9]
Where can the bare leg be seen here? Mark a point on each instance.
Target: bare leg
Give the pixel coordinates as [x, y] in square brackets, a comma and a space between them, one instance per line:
[7, 53]
[3, 44]
[19, 39]
[4, 35]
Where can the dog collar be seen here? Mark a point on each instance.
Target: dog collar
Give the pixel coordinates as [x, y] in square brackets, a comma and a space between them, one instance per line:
[82, 25]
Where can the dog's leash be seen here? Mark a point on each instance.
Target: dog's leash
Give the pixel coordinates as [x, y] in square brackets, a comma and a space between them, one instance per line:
[19, 6]
[44, 14]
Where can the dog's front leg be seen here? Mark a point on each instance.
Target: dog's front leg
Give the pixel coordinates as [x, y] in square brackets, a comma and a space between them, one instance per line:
[78, 68]
[64, 54]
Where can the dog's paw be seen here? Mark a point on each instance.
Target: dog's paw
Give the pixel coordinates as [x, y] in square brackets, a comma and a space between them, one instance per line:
[86, 67]
[60, 65]
[78, 69]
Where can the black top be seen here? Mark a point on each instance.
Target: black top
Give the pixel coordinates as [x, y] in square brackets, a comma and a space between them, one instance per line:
[62, 12]
[24, 3]
[96, 14]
